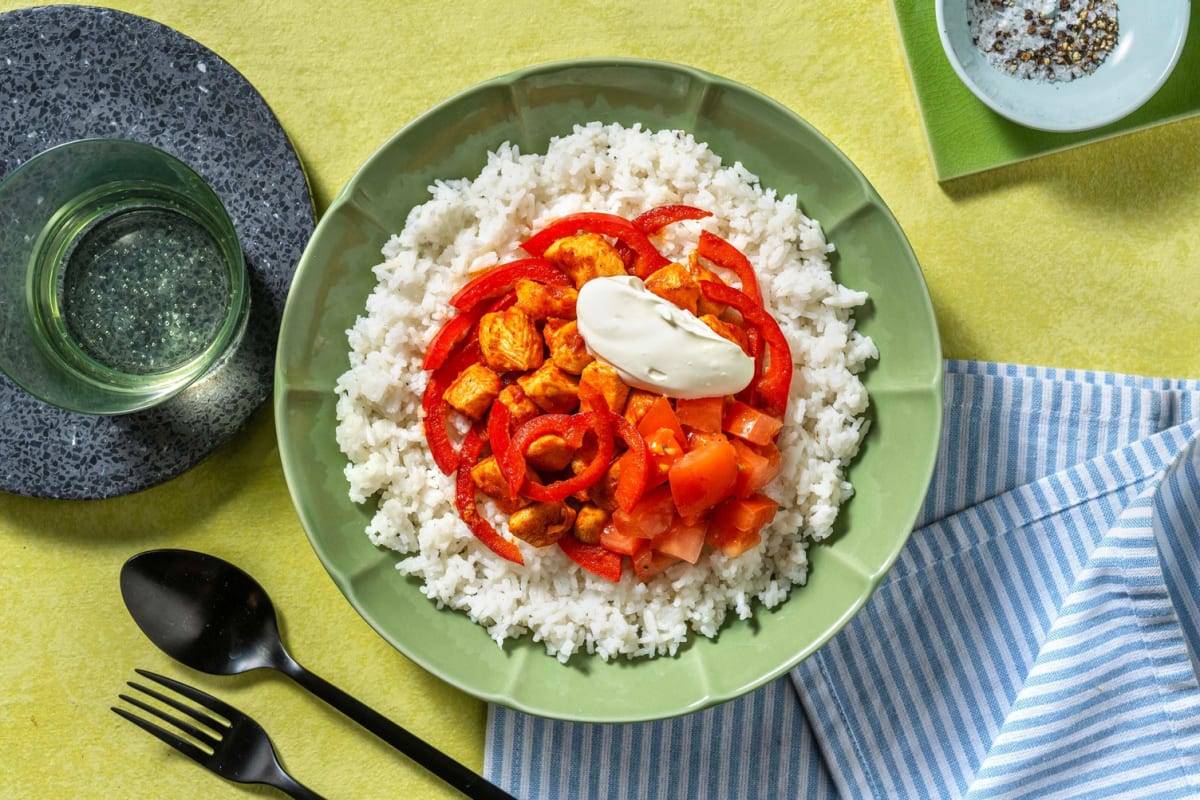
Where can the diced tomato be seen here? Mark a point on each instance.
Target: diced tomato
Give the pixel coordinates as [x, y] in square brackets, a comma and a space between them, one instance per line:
[651, 516]
[749, 423]
[732, 541]
[702, 414]
[735, 524]
[663, 450]
[660, 415]
[623, 543]
[683, 540]
[649, 563]
[703, 477]
[757, 466]
[698, 439]
[592, 557]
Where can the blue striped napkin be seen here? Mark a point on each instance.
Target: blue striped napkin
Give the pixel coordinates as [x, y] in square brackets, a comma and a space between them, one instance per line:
[1037, 637]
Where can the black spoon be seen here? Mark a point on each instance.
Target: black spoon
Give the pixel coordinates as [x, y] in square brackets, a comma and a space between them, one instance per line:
[211, 616]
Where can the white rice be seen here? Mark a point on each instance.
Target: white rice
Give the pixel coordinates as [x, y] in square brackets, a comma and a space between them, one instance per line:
[470, 225]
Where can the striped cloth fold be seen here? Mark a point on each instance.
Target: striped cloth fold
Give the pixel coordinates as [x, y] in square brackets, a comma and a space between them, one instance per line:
[1037, 637]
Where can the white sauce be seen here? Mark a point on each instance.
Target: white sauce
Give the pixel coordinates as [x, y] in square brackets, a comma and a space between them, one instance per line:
[655, 345]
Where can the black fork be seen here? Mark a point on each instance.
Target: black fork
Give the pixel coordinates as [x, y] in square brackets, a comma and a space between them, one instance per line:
[231, 744]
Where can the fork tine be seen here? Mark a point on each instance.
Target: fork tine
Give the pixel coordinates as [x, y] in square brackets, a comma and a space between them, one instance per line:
[194, 713]
[182, 745]
[204, 736]
[207, 700]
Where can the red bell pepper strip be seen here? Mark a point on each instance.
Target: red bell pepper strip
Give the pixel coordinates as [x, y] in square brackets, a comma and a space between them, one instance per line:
[594, 558]
[435, 408]
[572, 428]
[458, 328]
[723, 254]
[500, 279]
[500, 438]
[657, 218]
[464, 500]
[773, 386]
[451, 334]
[648, 257]
[754, 349]
[635, 463]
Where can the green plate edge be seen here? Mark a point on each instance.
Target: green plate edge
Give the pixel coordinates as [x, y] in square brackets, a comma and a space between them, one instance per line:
[891, 473]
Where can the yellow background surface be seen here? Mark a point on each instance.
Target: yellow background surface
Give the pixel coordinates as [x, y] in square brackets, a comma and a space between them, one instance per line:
[1087, 259]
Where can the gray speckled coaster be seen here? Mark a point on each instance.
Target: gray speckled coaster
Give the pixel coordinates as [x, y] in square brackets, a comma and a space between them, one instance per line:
[74, 72]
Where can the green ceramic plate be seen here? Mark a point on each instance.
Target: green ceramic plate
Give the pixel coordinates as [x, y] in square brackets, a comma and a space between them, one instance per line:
[529, 107]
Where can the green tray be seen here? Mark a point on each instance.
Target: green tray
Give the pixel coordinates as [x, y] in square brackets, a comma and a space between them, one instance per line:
[965, 136]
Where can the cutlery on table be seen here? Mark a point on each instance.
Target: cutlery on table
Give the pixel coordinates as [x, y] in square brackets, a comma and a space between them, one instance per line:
[211, 616]
[234, 746]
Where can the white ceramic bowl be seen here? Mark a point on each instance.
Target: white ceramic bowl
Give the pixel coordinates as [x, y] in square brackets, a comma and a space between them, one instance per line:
[1151, 35]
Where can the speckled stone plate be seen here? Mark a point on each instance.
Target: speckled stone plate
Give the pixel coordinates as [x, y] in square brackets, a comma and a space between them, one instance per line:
[72, 72]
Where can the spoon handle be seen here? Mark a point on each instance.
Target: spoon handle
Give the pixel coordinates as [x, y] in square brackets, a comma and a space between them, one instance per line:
[420, 751]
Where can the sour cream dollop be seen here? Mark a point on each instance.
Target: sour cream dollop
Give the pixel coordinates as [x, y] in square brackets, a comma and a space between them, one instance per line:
[655, 345]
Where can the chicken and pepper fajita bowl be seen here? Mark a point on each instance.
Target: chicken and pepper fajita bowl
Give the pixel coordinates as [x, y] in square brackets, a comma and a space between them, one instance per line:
[605, 395]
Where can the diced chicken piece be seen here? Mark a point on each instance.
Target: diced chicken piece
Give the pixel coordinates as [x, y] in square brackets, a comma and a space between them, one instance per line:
[551, 389]
[584, 455]
[675, 284]
[540, 301]
[567, 348]
[604, 379]
[510, 340]
[637, 404]
[727, 330]
[473, 391]
[590, 521]
[488, 479]
[603, 492]
[541, 524]
[584, 257]
[703, 273]
[520, 407]
[549, 453]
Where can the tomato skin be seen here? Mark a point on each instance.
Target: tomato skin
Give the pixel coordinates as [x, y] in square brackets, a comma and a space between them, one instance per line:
[649, 563]
[651, 516]
[735, 524]
[683, 540]
[661, 415]
[703, 414]
[757, 467]
[622, 543]
[703, 477]
[749, 423]
[663, 450]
